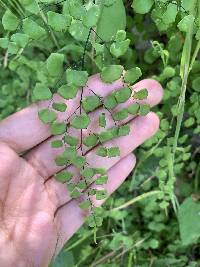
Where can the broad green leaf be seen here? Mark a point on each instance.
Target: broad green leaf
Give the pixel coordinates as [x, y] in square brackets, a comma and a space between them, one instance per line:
[132, 75]
[47, 116]
[85, 205]
[75, 8]
[80, 122]
[141, 6]
[188, 217]
[91, 17]
[168, 73]
[94, 221]
[102, 120]
[124, 130]
[123, 94]
[101, 194]
[78, 30]
[183, 25]
[70, 153]
[13, 48]
[58, 22]
[121, 115]
[87, 173]
[164, 20]
[54, 64]
[187, 5]
[4, 42]
[133, 109]
[82, 185]
[64, 176]
[91, 221]
[71, 187]
[99, 48]
[71, 140]
[77, 77]
[111, 73]
[59, 106]
[110, 102]
[140, 95]
[20, 39]
[112, 19]
[30, 6]
[9, 21]
[189, 122]
[79, 161]
[196, 84]
[101, 151]
[90, 103]
[42, 92]
[118, 49]
[92, 192]
[144, 109]
[68, 91]
[32, 29]
[56, 143]
[113, 152]
[101, 180]
[105, 136]
[75, 193]
[120, 36]
[61, 160]
[114, 130]
[58, 128]
[90, 140]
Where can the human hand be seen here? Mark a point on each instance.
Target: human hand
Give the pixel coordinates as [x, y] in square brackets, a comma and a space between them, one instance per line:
[37, 215]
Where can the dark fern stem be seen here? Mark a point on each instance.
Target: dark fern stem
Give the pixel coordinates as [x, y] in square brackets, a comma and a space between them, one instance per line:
[81, 141]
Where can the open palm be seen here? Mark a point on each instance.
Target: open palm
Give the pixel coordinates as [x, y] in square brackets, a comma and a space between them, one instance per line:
[37, 215]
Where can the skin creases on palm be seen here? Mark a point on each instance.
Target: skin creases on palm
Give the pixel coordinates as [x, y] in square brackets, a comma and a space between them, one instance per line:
[30, 231]
[27, 223]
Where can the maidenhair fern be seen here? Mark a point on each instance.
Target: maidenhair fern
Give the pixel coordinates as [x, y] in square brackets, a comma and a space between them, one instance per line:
[79, 20]
[52, 47]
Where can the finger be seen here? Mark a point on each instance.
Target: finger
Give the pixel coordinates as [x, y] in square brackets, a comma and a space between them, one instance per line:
[141, 128]
[68, 225]
[34, 131]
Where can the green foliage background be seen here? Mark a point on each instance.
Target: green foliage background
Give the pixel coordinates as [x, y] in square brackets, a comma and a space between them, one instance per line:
[159, 225]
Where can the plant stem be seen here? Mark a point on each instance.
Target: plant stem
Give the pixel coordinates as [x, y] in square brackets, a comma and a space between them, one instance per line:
[79, 241]
[184, 73]
[49, 28]
[195, 55]
[107, 256]
[81, 141]
[197, 178]
[198, 44]
[130, 259]
[136, 199]
[172, 178]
